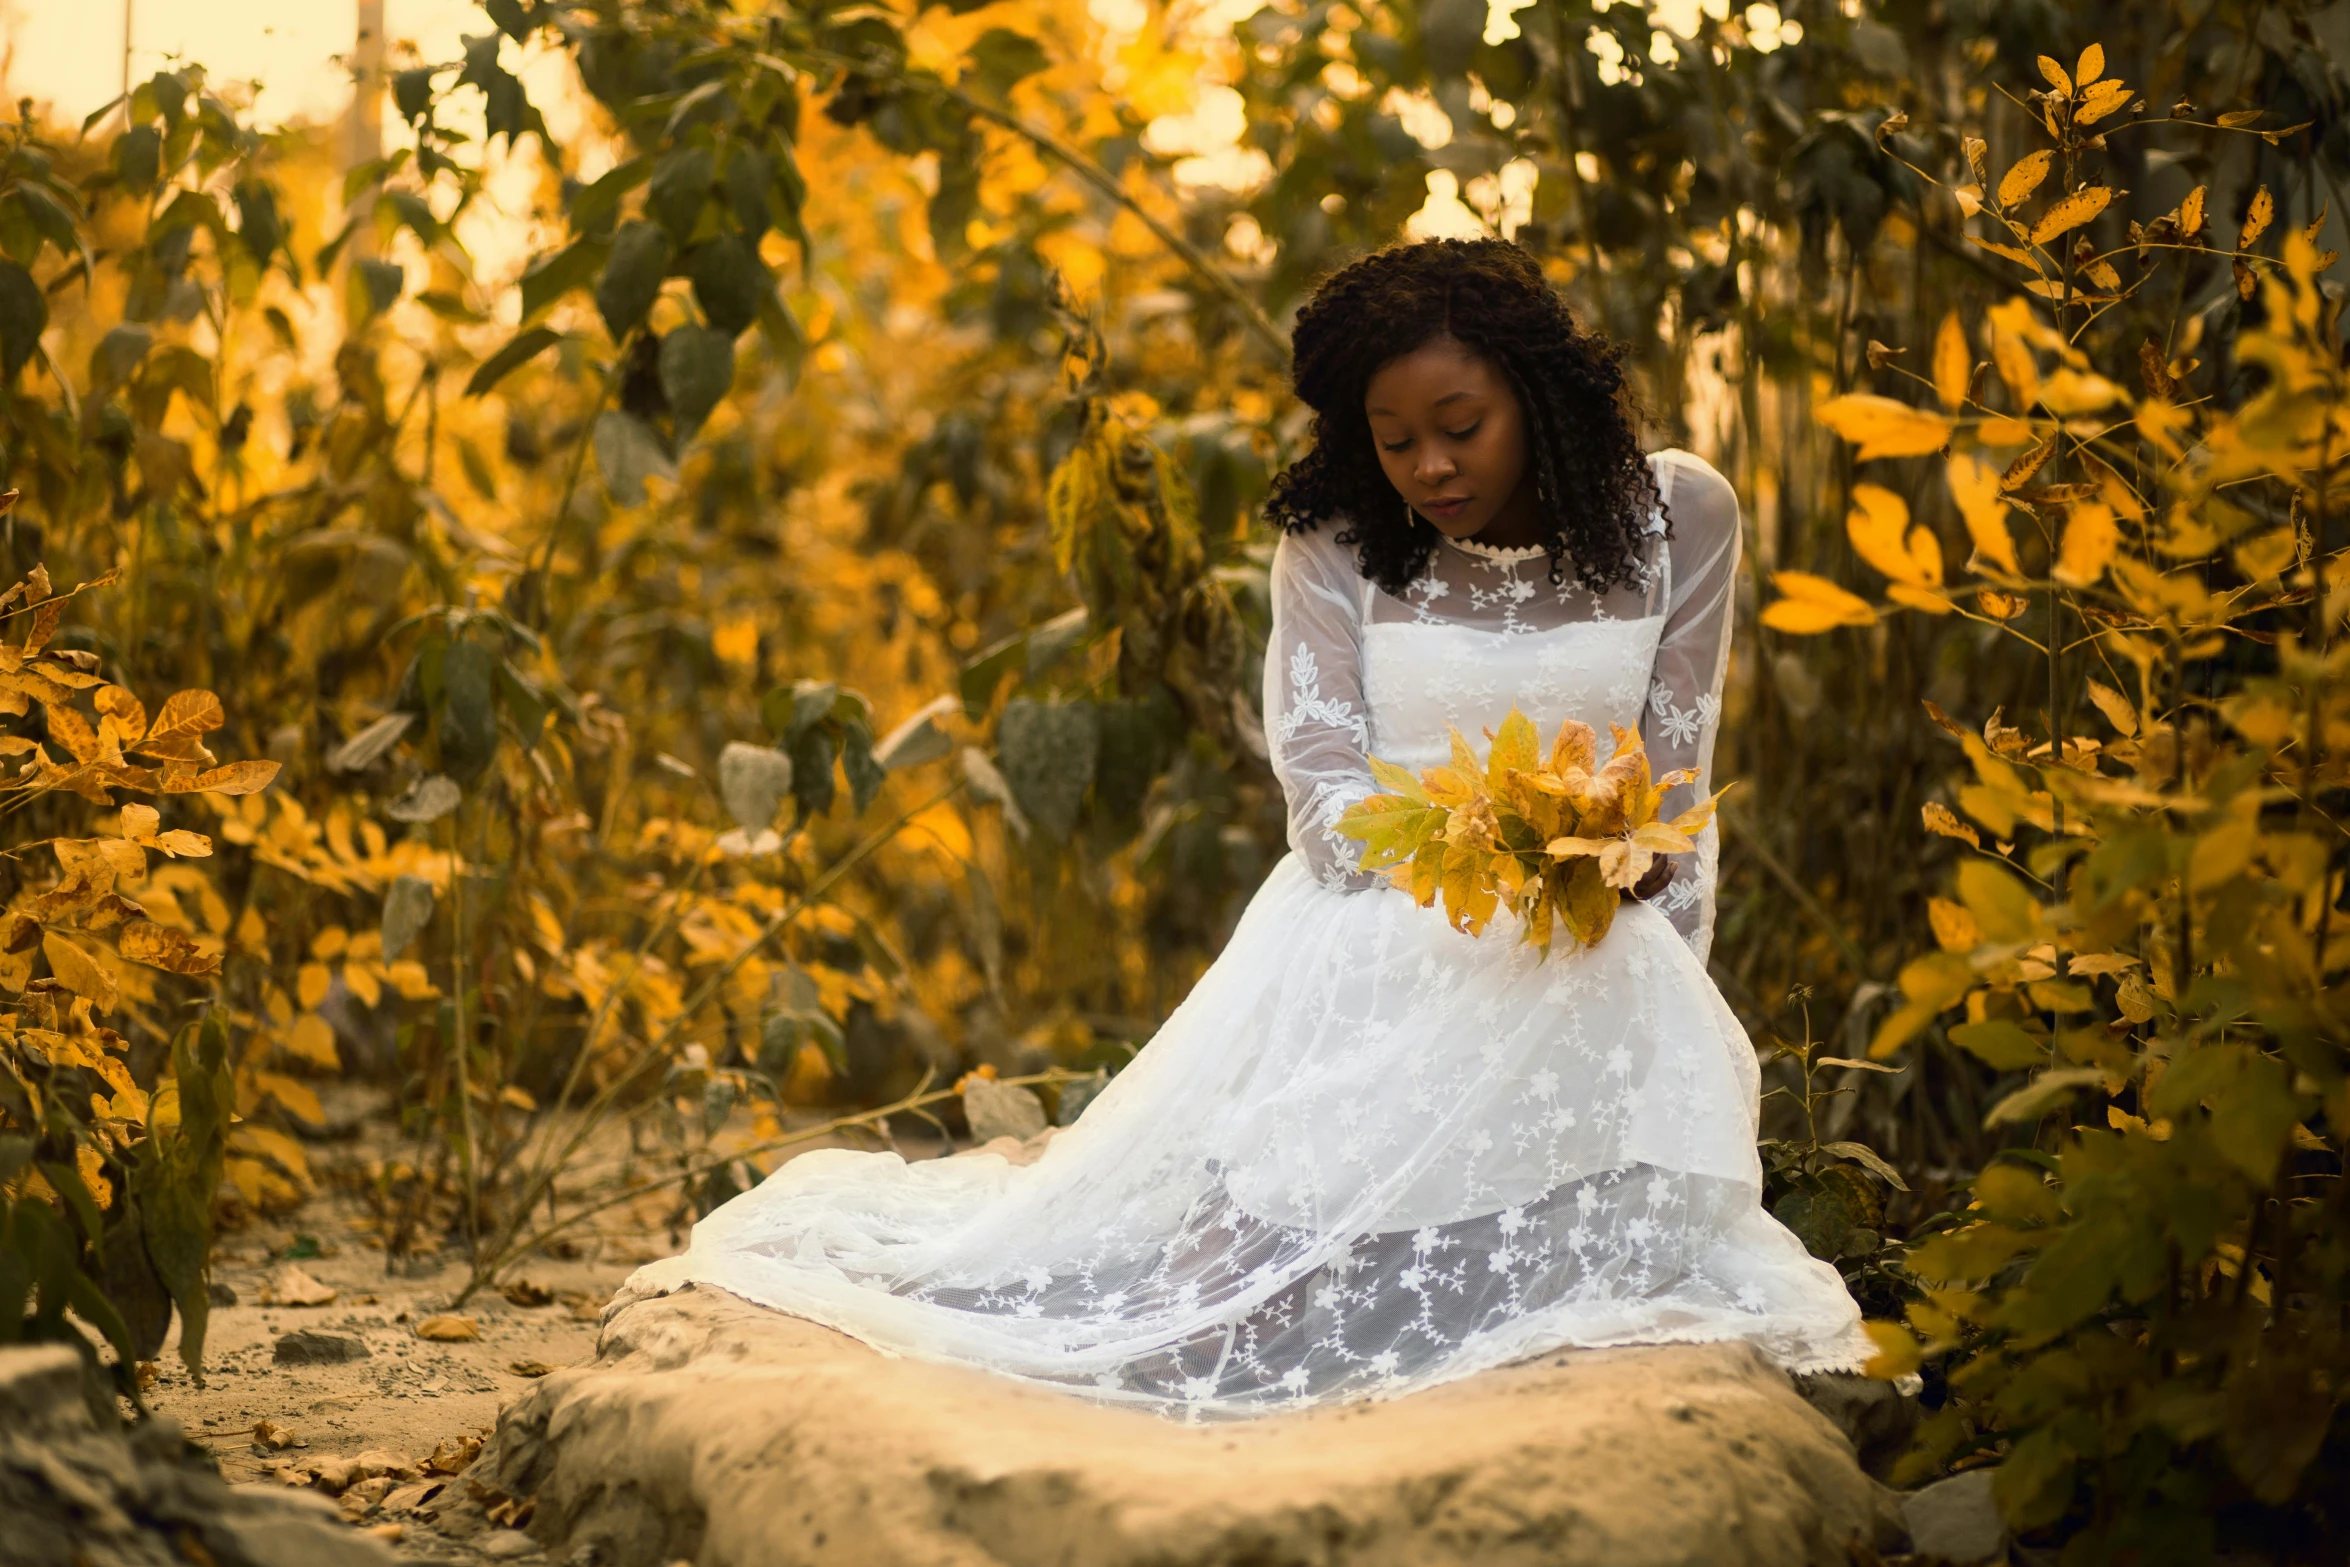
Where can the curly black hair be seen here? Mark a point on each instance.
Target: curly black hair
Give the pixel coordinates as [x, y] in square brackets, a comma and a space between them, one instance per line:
[1593, 486]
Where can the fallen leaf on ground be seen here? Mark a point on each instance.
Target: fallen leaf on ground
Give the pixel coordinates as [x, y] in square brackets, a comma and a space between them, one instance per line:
[449, 1329]
[522, 1292]
[452, 1453]
[389, 1533]
[270, 1437]
[293, 1287]
[530, 1368]
[583, 1306]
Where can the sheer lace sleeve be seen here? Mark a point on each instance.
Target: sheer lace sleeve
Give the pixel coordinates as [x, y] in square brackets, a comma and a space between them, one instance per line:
[1316, 721]
[1685, 692]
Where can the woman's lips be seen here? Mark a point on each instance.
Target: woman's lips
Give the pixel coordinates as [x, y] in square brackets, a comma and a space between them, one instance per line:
[1447, 508]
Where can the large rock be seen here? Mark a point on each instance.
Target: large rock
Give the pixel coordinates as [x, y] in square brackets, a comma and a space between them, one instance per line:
[78, 1490]
[711, 1429]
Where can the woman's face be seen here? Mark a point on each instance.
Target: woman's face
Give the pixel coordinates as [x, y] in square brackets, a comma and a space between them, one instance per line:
[1452, 438]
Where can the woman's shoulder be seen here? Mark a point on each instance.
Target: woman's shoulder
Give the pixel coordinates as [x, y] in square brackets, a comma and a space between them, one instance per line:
[1685, 471]
[1316, 551]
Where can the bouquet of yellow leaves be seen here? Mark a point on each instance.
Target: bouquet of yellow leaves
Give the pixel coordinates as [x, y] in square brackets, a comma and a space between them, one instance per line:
[1557, 842]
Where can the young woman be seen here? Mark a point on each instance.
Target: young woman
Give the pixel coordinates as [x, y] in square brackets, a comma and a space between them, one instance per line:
[1369, 1153]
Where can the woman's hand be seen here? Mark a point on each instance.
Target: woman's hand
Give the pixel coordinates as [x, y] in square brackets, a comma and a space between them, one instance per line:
[1659, 877]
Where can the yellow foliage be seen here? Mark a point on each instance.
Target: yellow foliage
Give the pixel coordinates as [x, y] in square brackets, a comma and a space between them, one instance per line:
[1553, 841]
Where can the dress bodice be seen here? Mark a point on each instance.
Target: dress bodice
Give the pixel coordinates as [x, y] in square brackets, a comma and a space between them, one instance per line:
[1355, 671]
[1420, 681]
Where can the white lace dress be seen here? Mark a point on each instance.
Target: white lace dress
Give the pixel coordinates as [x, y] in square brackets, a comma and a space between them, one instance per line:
[1367, 1153]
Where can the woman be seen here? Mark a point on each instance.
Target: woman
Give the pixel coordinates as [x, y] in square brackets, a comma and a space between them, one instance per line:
[1369, 1153]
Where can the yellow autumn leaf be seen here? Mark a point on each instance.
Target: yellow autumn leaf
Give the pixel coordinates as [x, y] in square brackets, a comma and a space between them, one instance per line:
[2091, 535]
[2257, 218]
[2024, 176]
[1811, 604]
[1974, 485]
[2012, 357]
[2068, 391]
[2055, 75]
[365, 982]
[311, 983]
[1876, 525]
[1884, 427]
[2100, 101]
[1943, 822]
[2116, 707]
[1953, 364]
[2070, 211]
[2191, 213]
[1931, 601]
[1955, 929]
[2090, 67]
[79, 971]
[311, 1038]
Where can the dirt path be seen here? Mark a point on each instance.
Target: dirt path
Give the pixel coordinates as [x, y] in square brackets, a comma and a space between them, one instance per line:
[390, 1429]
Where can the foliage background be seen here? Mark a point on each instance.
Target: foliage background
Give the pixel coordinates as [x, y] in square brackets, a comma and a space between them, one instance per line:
[891, 390]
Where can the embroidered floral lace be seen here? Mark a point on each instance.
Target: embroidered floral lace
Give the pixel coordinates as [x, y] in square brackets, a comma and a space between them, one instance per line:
[1367, 1153]
[1495, 630]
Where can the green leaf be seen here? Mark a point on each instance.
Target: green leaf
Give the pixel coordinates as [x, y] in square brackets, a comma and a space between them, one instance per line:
[412, 92]
[469, 719]
[259, 224]
[2001, 1044]
[1049, 751]
[509, 18]
[594, 208]
[680, 185]
[408, 905]
[632, 275]
[506, 111]
[982, 676]
[2042, 1094]
[138, 157]
[576, 265]
[753, 781]
[628, 453]
[2001, 904]
[379, 283]
[179, 1171]
[812, 756]
[810, 703]
[526, 705]
[1868, 1159]
[1450, 31]
[117, 356]
[748, 177]
[697, 369]
[919, 739]
[864, 774]
[523, 347]
[731, 283]
[1002, 57]
[1048, 642]
[53, 218]
[24, 315]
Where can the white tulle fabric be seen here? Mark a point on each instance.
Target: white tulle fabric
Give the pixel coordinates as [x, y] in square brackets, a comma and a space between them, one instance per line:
[1367, 1153]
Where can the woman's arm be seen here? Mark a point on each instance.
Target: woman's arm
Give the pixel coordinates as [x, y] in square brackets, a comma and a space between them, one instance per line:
[1685, 692]
[1316, 721]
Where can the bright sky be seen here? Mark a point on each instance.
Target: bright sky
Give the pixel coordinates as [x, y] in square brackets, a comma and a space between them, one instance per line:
[69, 52]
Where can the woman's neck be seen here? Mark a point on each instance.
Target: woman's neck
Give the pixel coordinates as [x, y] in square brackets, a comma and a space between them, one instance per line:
[1518, 523]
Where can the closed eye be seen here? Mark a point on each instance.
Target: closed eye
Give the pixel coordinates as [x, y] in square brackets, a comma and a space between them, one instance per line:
[1450, 435]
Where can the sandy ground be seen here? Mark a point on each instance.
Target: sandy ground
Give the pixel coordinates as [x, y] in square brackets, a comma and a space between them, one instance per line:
[410, 1395]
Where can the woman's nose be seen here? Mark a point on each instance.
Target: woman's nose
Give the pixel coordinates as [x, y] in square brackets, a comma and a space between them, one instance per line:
[1435, 470]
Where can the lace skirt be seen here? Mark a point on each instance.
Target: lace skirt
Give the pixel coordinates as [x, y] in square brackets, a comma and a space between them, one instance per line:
[1366, 1154]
